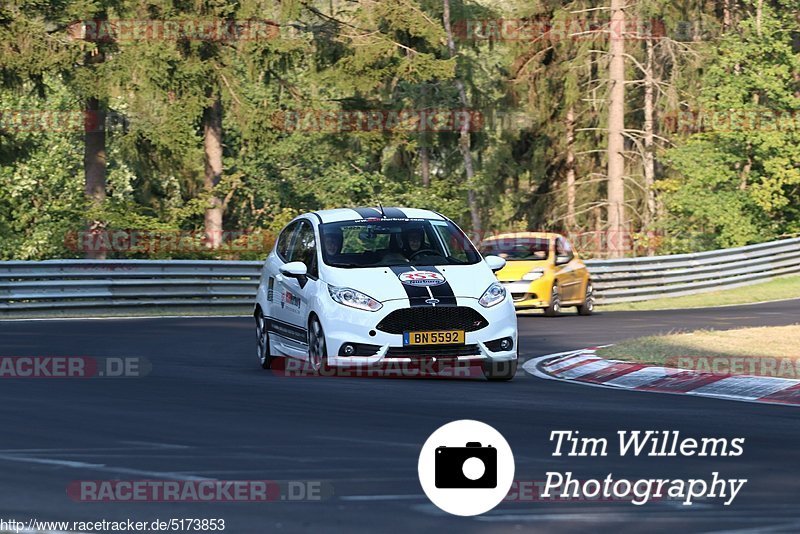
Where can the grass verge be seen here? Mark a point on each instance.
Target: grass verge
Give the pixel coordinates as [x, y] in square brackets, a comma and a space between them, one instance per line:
[741, 345]
[777, 289]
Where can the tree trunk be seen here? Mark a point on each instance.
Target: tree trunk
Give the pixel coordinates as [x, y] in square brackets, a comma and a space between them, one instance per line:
[759, 15]
[796, 50]
[598, 232]
[649, 162]
[745, 176]
[570, 134]
[94, 168]
[616, 128]
[465, 139]
[727, 14]
[425, 166]
[212, 146]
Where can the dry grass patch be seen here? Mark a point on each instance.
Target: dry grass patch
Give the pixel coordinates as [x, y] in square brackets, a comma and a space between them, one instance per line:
[779, 342]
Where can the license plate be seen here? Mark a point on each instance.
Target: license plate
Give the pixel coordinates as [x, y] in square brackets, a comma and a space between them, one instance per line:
[517, 287]
[436, 337]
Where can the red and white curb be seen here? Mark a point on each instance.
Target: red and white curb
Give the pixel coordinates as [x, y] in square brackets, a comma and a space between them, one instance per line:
[586, 367]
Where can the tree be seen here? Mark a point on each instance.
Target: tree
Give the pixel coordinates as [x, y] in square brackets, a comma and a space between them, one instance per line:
[617, 226]
[737, 171]
[199, 135]
[464, 143]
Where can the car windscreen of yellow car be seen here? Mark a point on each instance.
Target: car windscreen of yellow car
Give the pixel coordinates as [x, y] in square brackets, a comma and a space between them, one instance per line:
[521, 254]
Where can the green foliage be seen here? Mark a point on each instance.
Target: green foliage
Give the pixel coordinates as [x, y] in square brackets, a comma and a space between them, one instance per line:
[715, 188]
[707, 207]
[41, 193]
[739, 182]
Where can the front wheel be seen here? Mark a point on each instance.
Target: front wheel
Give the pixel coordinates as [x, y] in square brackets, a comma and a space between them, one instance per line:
[500, 371]
[317, 348]
[555, 302]
[587, 308]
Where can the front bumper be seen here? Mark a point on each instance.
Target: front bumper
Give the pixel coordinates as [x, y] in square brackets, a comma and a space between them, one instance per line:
[525, 294]
[346, 325]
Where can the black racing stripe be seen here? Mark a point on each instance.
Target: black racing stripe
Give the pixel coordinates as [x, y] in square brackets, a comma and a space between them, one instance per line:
[443, 292]
[416, 295]
[394, 213]
[367, 213]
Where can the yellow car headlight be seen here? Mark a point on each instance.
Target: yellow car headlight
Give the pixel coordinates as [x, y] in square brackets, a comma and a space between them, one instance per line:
[533, 275]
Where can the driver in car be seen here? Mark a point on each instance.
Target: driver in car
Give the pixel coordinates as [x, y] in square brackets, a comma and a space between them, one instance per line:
[413, 240]
[332, 242]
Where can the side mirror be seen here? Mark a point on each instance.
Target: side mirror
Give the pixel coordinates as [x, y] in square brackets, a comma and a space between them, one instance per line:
[295, 269]
[495, 263]
[563, 260]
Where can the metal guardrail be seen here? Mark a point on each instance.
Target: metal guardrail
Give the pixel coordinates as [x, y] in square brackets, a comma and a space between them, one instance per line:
[638, 279]
[74, 284]
[70, 284]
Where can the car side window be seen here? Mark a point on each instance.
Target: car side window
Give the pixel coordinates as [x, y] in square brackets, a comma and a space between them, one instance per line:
[563, 248]
[285, 241]
[305, 248]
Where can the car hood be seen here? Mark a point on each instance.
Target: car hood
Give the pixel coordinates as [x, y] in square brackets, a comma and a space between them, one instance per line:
[383, 283]
[514, 270]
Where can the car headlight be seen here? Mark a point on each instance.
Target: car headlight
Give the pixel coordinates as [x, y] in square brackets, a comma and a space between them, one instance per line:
[533, 275]
[494, 294]
[354, 299]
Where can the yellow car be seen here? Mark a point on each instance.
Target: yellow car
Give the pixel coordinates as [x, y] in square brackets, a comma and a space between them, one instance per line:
[542, 271]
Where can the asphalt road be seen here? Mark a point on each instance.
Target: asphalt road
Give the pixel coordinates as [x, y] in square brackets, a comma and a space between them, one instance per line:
[207, 410]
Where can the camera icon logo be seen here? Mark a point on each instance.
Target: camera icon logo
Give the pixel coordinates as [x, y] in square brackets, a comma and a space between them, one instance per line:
[466, 467]
[472, 466]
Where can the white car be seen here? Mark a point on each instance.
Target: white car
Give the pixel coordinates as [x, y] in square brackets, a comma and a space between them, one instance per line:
[370, 286]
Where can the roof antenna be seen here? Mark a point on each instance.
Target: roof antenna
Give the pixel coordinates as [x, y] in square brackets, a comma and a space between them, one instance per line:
[381, 208]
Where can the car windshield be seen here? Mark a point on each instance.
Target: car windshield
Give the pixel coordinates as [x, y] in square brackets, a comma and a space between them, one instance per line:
[394, 242]
[517, 248]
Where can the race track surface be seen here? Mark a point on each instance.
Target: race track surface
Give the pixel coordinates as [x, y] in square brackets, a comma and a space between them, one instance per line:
[208, 410]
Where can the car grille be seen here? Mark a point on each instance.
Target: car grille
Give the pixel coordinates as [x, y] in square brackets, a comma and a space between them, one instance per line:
[432, 318]
[418, 352]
